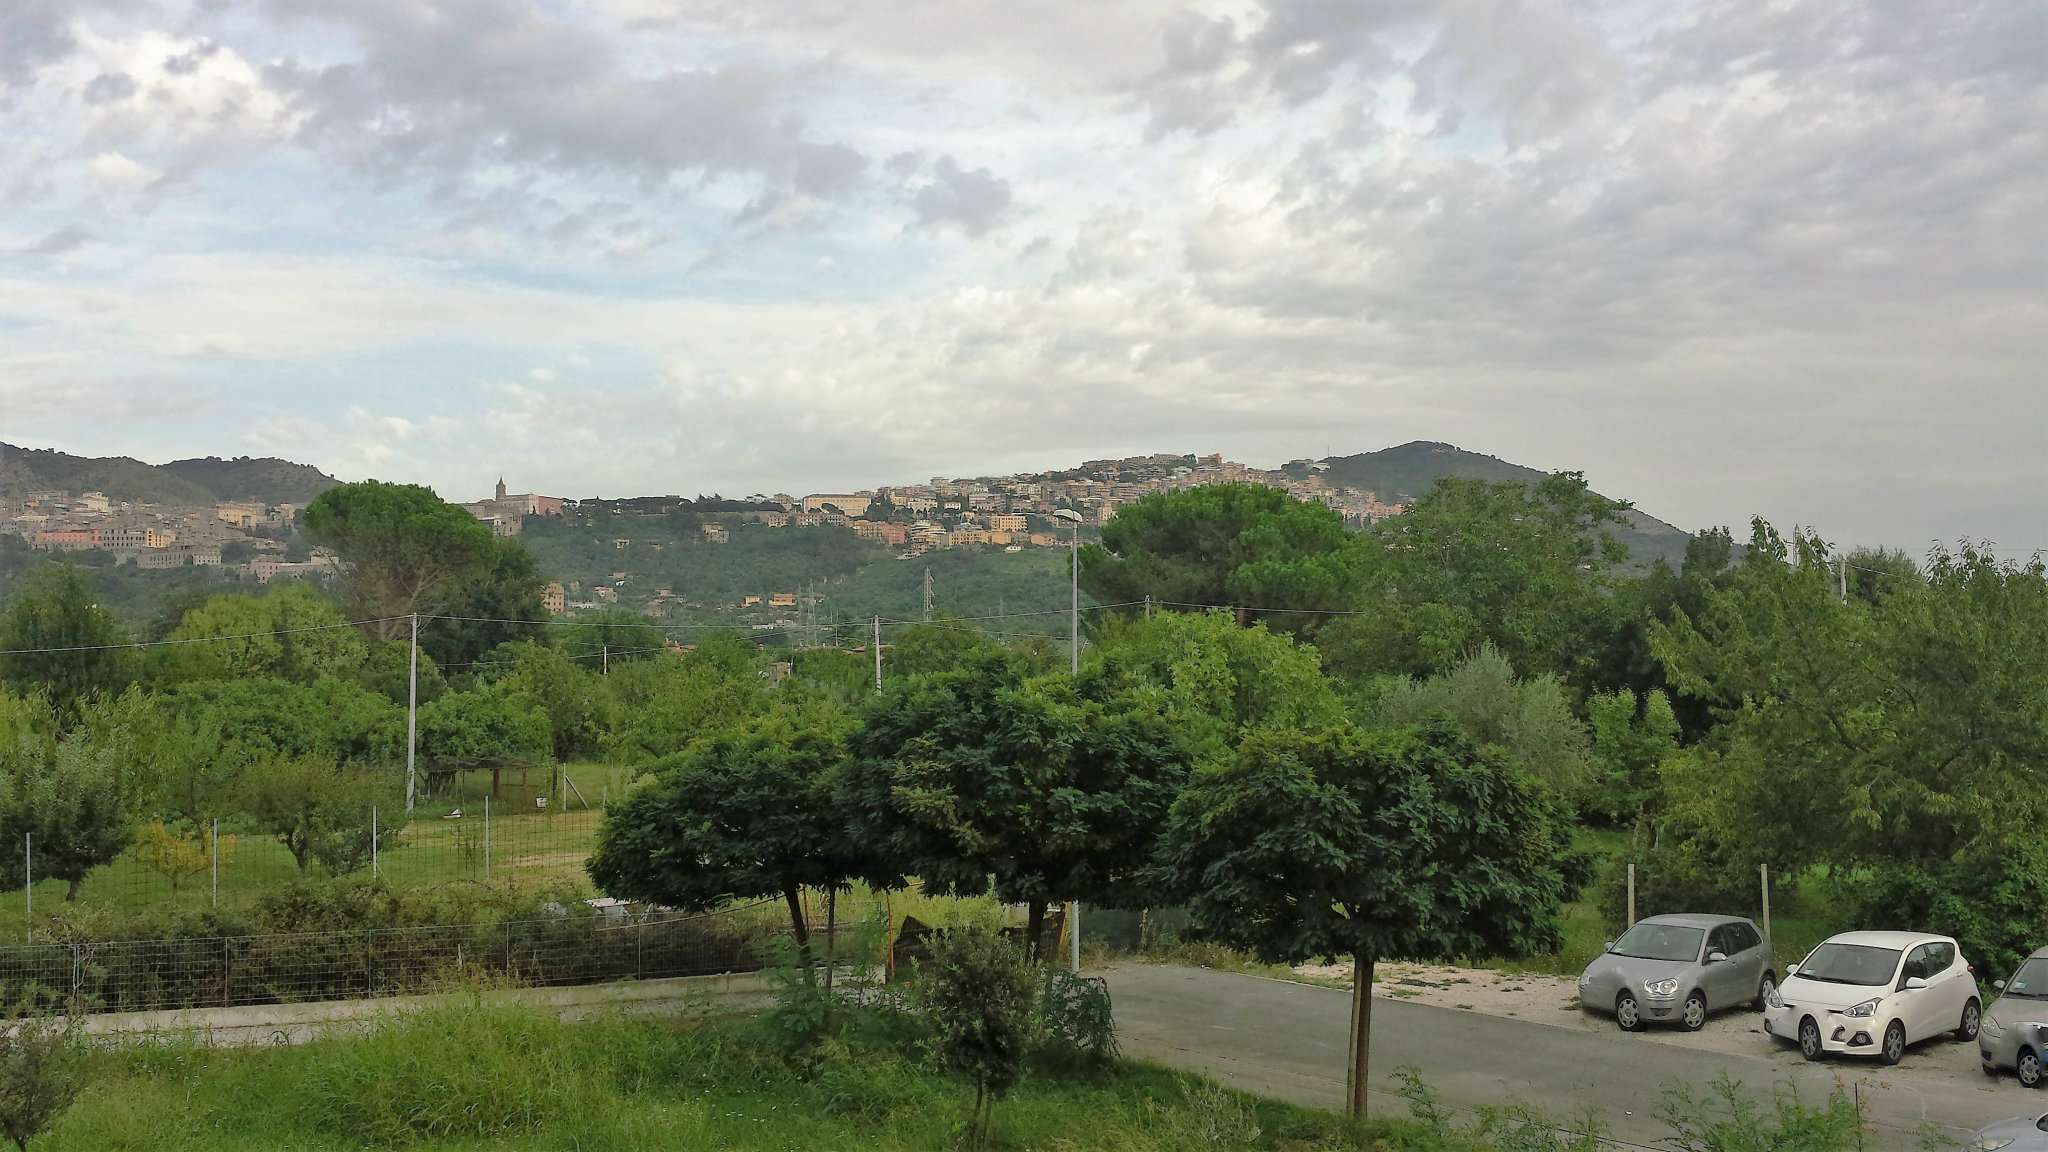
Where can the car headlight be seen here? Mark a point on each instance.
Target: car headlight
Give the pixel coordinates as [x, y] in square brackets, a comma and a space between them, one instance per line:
[1989, 1143]
[1661, 987]
[1864, 1010]
[1774, 1000]
[1990, 1026]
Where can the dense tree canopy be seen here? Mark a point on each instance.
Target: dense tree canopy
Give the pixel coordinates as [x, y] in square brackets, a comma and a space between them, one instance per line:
[401, 547]
[55, 639]
[1227, 544]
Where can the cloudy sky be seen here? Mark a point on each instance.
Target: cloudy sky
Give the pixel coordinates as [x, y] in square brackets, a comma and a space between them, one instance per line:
[1726, 256]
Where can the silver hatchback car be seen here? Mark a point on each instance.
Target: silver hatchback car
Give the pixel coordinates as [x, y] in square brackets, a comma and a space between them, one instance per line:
[1677, 969]
[2013, 1036]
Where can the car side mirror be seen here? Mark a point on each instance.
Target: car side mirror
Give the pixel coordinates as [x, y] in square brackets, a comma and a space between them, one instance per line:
[1998, 985]
[1607, 947]
[1717, 957]
[1914, 982]
[1791, 969]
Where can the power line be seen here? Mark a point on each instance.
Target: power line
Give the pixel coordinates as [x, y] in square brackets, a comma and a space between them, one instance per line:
[133, 644]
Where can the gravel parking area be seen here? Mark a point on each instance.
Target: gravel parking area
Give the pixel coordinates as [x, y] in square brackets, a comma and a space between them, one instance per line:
[1554, 1001]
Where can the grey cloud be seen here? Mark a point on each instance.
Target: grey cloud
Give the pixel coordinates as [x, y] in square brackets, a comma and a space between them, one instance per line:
[69, 238]
[187, 62]
[32, 33]
[446, 87]
[974, 201]
[109, 87]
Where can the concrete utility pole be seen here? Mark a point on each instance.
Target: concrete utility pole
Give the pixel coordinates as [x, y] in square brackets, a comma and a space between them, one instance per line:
[412, 711]
[878, 653]
[1074, 668]
[1842, 575]
[927, 593]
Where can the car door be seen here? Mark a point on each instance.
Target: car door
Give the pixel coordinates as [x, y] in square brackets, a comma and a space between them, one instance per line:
[1917, 1006]
[1750, 962]
[1721, 979]
[1950, 977]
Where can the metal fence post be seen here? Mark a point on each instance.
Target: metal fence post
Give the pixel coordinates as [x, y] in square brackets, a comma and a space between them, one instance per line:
[227, 979]
[373, 841]
[28, 883]
[487, 838]
[216, 864]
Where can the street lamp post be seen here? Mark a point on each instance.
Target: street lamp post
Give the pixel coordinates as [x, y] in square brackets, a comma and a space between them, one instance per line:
[1074, 667]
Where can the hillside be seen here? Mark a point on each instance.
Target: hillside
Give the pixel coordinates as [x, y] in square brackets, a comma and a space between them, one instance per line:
[201, 481]
[1406, 472]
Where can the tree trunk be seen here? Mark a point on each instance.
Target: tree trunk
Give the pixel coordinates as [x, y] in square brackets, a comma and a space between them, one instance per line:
[71, 893]
[797, 926]
[1361, 1036]
[1034, 927]
[831, 933]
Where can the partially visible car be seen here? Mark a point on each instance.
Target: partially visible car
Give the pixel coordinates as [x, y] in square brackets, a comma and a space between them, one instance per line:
[1677, 969]
[2020, 1134]
[2014, 1034]
[1875, 994]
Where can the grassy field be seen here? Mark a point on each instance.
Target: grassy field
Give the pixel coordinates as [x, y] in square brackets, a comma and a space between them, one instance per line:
[475, 1077]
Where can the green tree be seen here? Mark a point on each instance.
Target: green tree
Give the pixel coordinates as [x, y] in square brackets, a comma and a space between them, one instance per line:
[613, 636]
[662, 705]
[1227, 544]
[567, 692]
[43, 1067]
[1217, 680]
[321, 811]
[1634, 737]
[741, 814]
[977, 991]
[496, 602]
[1054, 790]
[55, 638]
[400, 545]
[71, 797]
[1528, 718]
[1392, 844]
[1527, 569]
[487, 725]
[291, 632]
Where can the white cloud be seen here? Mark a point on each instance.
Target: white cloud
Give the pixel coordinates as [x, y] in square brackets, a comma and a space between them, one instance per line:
[116, 172]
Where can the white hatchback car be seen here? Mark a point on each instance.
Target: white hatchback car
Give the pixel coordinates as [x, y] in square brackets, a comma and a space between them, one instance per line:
[1874, 993]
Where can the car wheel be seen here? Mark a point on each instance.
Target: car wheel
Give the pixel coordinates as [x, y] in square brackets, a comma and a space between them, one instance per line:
[1627, 1013]
[1695, 1011]
[1967, 1030]
[1764, 988]
[2028, 1068]
[1809, 1039]
[1894, 1043]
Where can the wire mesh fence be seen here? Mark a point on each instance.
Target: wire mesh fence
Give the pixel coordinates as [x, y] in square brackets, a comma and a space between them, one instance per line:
[505, 828]
[583, 944]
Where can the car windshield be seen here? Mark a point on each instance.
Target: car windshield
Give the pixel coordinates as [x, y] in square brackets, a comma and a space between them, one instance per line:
[1851, 964]
[1660, 942]
[2031, 981]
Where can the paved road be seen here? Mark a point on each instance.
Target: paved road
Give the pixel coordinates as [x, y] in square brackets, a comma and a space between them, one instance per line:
[1287, 1040]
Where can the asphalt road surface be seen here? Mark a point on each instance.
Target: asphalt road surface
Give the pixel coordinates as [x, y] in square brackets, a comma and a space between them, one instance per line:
[1287, 1040]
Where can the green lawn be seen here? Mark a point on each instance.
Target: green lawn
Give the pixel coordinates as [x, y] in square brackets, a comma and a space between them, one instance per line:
[473, 1077]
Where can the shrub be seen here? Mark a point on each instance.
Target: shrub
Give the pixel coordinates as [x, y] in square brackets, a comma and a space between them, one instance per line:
[977, 995]
[1071, 1025]
[42, 1070]
[1724, 1118]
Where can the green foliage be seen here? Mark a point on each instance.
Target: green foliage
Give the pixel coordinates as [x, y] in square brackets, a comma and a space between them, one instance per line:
[1526, 568]
[1897, 740]
[1990, 899]
[72, 797]
[1393, 844]
[43, 1068]
[1054, 790]
[491, 725]
[613, 635]
[976, 991]
[496, 601]
[741, 814]
[290, 633]
[1072, 1027]
[321, 813]
[570, 694]
[401, 545]
[1226, 544]
[1725, 1118]
[1218, 680]
[1633, 738]
[55, 609]
[1528, 718]
[664, 704]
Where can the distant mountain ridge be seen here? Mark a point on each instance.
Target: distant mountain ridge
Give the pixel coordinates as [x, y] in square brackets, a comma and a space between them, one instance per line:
[1407, 472]
[205, 480]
